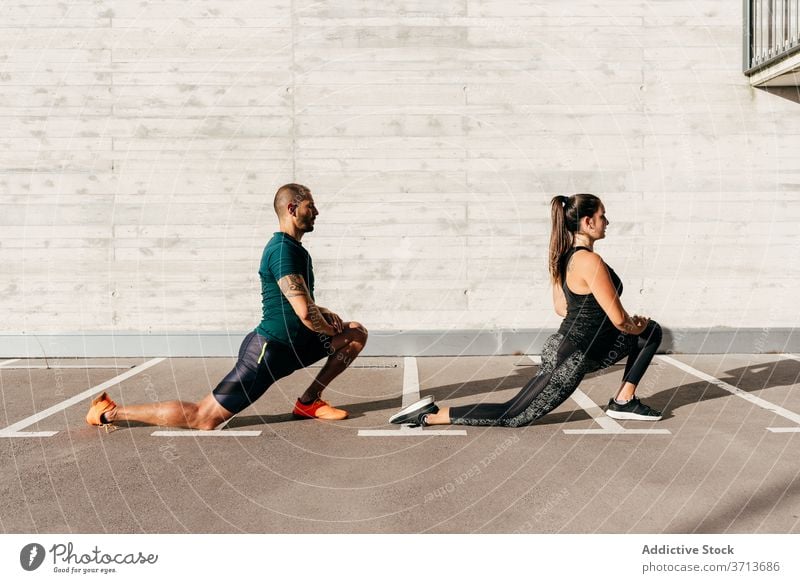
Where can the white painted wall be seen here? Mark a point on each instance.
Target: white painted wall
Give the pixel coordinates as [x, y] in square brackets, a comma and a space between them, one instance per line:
[141, 143]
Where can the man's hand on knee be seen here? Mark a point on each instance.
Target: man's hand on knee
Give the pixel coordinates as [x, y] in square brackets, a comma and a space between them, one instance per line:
[333, 319]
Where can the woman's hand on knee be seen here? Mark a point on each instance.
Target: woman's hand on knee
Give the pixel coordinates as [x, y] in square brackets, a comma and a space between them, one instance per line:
[639, 324]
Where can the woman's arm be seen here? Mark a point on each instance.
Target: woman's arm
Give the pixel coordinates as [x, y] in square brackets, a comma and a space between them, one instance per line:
[590, 267]
[559, 300]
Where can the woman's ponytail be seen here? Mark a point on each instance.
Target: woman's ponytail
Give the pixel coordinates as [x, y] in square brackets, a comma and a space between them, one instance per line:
[560, 237]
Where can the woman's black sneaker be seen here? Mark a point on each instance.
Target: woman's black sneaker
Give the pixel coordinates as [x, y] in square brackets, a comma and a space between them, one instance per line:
[413, 413]
[633, 409]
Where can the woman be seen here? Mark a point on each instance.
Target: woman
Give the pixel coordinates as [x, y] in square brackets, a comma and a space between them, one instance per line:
[596, 332]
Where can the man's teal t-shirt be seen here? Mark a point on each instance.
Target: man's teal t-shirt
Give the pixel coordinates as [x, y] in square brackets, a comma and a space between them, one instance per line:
[284, 255]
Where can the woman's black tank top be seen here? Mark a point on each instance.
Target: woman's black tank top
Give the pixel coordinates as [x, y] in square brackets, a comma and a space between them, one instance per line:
[586, 324]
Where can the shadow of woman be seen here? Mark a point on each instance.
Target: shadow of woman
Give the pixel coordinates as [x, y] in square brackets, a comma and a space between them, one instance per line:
[750, 378]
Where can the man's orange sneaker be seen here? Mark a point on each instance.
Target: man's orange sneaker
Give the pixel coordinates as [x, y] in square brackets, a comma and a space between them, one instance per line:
[319, 409]
[101, 404]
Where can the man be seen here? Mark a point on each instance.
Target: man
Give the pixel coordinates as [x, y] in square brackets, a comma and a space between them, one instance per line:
[294, 333]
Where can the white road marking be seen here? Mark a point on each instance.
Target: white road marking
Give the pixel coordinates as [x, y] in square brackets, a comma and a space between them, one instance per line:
[410, 395]
[15, 430]
[410, 381]
[609, 425]
[603, 420]
[373, 366]
[405, 431]
[28, 434]
[63, 366]
[764, 404]
[199, 433]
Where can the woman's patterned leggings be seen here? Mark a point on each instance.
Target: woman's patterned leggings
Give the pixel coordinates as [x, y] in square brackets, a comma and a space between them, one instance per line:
[563, 368]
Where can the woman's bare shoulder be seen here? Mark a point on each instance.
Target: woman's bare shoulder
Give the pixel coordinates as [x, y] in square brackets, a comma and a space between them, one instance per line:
[585, 258]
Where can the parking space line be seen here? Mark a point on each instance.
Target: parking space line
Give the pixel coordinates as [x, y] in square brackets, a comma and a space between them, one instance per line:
[63, 366]
[15, 430]
[764, 404]
[201, 433]
[410, 395]
[609, 425]
[603, 420]
[410, 381]
[409, 432]
[28, 434]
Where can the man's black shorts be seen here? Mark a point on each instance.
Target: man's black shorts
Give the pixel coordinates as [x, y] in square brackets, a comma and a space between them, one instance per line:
[261, 362]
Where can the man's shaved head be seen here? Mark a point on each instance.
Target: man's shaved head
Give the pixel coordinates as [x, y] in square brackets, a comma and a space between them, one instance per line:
[289, 193]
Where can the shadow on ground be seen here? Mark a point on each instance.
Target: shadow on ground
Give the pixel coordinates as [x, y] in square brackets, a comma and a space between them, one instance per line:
[748, 378]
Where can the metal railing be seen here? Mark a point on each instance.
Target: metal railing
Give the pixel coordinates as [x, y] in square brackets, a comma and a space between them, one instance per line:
[771, 32]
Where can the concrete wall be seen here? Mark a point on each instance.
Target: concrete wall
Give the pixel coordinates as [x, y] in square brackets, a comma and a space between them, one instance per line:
[141, 143]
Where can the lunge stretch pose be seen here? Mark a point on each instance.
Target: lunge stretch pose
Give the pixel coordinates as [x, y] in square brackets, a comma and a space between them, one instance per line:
[596, 332]
[294, 333]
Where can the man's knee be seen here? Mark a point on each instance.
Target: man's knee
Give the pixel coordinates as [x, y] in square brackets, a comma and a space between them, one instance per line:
[210, 414]
[359, 332]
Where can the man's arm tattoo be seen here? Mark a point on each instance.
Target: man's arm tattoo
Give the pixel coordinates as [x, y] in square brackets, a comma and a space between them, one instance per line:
[293, 286]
